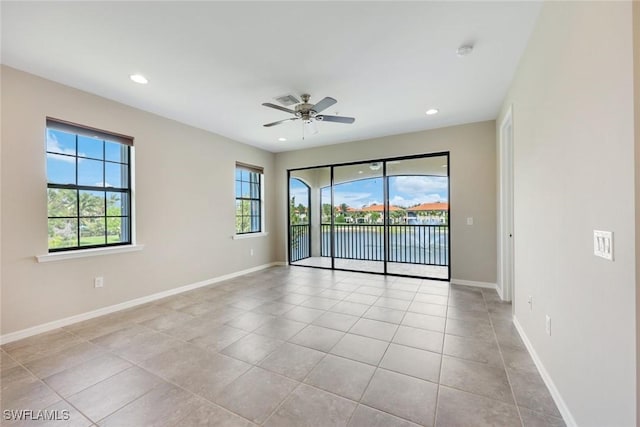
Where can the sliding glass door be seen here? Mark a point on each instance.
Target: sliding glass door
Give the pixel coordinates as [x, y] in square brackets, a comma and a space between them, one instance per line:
[389, 216]
[306, 218]
[418, 217]
[358, 225]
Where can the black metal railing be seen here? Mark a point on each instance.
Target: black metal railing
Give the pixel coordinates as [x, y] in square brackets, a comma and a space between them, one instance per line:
[419, 244]
[425, 244]
[354, 241]
[300, 242]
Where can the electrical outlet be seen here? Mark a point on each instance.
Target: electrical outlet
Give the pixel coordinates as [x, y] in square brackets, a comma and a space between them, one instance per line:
[530, 301]
[470, 220]
[547, 325]
[98, 282]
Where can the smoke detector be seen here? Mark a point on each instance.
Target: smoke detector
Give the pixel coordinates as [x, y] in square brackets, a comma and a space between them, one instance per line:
[464, 50]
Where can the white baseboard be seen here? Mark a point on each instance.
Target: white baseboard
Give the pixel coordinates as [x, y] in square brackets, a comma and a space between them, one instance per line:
[555, 394]
[486, 285]
[45, 327]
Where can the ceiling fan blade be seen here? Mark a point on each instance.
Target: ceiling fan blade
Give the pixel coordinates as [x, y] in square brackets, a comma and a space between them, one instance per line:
[335, 119]
[268, 125]
[277, 107]
[323, 104]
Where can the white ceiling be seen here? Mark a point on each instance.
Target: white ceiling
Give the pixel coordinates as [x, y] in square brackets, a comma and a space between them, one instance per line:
[211, 64]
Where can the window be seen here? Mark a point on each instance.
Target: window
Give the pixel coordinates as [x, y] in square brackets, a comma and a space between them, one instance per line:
[88, 187]
[248, 199]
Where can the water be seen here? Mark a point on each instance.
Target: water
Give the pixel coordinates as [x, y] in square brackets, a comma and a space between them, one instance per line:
[415, 248]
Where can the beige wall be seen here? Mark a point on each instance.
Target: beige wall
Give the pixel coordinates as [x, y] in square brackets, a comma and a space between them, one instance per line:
[473, 186]
[184, 206]
[574, 172]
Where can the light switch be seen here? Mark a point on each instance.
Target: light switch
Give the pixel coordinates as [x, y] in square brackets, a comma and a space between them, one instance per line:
[603, 244]
[470, 220]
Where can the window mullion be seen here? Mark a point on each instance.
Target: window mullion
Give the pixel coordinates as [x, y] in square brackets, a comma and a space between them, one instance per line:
[77, 197]
[104, 184]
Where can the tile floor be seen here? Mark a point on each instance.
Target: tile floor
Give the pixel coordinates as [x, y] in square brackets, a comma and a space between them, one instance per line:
[288, 347]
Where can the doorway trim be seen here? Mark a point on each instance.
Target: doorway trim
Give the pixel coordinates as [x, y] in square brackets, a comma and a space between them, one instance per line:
[506, 281]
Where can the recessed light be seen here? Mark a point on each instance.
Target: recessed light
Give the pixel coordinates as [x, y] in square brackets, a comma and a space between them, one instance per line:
[281, 139]
[359, 172]
[139, 78]
[432, 111]
[464, 50]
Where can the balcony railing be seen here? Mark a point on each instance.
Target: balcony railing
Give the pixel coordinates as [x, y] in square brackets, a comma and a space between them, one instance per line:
[424, 244]
[414, 244]
[300, 242]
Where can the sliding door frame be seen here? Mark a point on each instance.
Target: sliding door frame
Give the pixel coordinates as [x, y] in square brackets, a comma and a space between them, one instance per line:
[386, 249]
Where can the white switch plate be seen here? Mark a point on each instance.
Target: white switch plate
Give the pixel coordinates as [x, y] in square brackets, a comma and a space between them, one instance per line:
[547, 325]
[603, 244]
[98, 282]
[470, 220]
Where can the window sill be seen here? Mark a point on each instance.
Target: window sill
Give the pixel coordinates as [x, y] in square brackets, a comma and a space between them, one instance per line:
[249, 235]
[84, 253]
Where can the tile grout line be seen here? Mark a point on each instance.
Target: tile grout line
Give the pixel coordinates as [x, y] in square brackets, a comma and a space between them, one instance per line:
[269, 300]
[41, 380]
[168, 381]
[444, 336]
[165, 380]
[364, 390]
[133, 364]
[109, 351]
[300, 383]
[504, 365]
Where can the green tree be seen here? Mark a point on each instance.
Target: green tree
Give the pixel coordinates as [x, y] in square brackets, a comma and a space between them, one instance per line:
[302, 210]
[327, 211]
[396, 216]
[293, 216]
[243, 216]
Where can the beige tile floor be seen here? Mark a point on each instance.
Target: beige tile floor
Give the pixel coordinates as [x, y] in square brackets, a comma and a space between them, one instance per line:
[287, 347]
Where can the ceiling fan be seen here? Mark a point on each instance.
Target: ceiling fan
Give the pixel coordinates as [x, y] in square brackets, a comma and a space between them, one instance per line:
[309, 112]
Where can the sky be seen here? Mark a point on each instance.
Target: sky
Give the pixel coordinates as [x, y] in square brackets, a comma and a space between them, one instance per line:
[61, 166]
[404, 191]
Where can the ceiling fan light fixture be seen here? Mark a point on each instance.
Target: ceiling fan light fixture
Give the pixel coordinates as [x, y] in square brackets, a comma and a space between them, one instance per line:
[139, 78]
[432, 111]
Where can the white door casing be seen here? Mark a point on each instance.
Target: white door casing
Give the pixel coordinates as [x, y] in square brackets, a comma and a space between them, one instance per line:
[505, 209]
